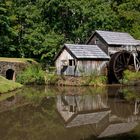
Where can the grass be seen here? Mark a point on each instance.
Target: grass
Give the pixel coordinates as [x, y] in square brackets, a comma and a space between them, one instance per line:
[8, 85]
[22, 60]
[51, 78]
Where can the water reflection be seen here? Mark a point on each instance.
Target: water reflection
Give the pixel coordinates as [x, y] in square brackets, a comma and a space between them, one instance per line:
[96, 111]
[70, 113]
[71, 106]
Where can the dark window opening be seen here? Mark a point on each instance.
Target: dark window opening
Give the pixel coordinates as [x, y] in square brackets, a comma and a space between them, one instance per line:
[9, 74]
[71, 62]
[97, 41]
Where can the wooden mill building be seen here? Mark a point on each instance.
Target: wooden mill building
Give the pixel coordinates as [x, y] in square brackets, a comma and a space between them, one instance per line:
[76, 59]
[111, 42]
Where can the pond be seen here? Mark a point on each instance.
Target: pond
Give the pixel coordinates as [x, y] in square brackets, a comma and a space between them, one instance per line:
[70, 113]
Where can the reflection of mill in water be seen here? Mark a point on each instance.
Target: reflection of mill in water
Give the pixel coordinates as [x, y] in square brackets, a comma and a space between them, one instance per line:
[94, 111]
[137, 106]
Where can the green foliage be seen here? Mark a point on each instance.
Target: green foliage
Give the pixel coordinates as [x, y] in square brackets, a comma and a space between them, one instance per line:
[51, 78]
[98, 81]
[32, 75]
[36, 93]
[95, 80]
[38, 28]
[129, 77]
[52, 69]
[8, 85]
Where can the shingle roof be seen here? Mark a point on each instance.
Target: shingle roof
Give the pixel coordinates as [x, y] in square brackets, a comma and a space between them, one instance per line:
[138, 41]
[86, 51]
[115, 38]
[89, 118]
[120, 128]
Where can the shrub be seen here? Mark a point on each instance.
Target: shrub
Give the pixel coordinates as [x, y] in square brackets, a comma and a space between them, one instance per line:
[95, 79]
[32, 75]
[51, 78]
[98, 80]
[130, 76]
[52, 69]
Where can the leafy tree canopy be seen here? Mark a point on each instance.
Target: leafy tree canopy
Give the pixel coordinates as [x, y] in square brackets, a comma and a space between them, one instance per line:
[38, 28]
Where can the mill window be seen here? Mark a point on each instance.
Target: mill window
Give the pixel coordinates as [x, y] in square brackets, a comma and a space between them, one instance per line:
[71, 62]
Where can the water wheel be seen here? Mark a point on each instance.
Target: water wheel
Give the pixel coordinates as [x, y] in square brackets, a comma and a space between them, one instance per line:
[119, 62]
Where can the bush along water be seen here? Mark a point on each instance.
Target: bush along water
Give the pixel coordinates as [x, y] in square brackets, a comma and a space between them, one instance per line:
[130, 78]
[32, 75]
[95, 80]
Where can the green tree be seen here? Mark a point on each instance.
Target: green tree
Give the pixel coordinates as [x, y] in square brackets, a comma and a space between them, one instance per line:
[128, 12]
[38, 28]
[5, 29]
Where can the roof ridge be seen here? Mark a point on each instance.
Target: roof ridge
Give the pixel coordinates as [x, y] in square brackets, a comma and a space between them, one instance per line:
[80, 44]
[113, 31]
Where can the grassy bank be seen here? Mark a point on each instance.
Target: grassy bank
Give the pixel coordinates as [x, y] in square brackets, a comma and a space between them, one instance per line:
[8, 85]
[91, 80]
[35, 75]
[23, 60]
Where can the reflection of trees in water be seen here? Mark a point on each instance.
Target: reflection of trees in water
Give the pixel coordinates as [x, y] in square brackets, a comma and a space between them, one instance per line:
[125, 102]
[132, 94]
[39, 120]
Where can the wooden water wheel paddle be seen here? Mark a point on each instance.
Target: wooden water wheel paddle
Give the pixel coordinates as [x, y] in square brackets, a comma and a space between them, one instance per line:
[119, 62]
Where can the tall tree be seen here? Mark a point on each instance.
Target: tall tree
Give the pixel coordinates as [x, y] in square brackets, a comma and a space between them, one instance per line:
[38, 28]
[5, 28]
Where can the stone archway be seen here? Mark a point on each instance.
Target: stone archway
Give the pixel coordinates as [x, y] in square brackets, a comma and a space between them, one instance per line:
[10, 74]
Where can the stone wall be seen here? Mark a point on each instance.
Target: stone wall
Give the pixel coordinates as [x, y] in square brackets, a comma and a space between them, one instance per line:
[16, 67]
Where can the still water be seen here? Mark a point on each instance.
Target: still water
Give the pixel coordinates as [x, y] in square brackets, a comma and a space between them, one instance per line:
[70, 113]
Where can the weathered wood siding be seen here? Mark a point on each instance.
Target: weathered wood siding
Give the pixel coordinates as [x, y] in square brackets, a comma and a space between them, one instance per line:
[84, 68]
[120, 48]
[96, 40]
[91, 66]
[58, 63]
[109, 49]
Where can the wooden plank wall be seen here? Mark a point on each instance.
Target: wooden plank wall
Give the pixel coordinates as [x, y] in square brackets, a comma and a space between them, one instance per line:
[103, 46]
[63, 56]
[92, 66]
